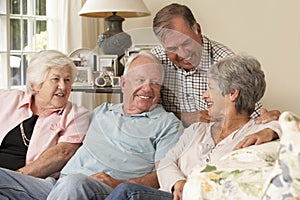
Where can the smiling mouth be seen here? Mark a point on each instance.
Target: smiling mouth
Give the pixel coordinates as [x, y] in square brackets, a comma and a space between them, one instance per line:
[60, 94]
[209, 104]
[187, 60]
[144, 97]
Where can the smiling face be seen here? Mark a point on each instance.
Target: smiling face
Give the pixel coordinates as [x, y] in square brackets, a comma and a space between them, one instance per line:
[183, 45]
[215, 100]
[55, 90]
[141, 85]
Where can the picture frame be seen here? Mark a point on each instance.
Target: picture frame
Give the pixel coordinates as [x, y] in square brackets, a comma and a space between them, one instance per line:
[102, 80]
[83, 77]
[138, 48]
[107, 63]
[116, 81]
[84, 57]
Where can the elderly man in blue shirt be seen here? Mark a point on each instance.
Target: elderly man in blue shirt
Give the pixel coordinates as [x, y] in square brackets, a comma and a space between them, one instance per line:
[124, 143]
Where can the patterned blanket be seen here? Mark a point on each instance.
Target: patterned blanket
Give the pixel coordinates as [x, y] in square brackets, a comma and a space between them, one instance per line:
[268, 171]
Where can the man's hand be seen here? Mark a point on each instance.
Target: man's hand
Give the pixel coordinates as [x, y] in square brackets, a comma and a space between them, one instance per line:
[149, 180]
[178, 189]
[265, 135]
[108, 180]
[203, 116]
[267, 116]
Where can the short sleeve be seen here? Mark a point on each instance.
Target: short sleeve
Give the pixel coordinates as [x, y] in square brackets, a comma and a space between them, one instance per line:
[75, 121]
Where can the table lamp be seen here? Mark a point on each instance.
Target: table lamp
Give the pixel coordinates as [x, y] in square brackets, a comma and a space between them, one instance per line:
[114, 40]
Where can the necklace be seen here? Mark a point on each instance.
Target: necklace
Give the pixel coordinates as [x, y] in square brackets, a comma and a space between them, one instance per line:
[26, 141]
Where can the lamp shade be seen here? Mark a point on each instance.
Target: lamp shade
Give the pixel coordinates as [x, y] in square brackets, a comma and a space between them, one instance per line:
[104, 8]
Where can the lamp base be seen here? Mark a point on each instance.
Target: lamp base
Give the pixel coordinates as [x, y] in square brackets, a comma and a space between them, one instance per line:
[116, 44]
[114, 40]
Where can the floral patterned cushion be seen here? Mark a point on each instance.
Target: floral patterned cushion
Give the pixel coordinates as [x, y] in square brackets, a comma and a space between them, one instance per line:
[285, 178]
[253, 172]
[239, 175]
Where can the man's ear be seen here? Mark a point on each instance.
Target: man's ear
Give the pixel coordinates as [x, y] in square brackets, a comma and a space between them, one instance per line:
[122, 81]
[198, 29]
[234, 94]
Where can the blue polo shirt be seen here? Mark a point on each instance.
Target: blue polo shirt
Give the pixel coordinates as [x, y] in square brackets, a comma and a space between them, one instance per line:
[125, 146]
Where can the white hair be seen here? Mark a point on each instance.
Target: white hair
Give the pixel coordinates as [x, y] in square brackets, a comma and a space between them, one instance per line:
[140, 54]
[42, 62]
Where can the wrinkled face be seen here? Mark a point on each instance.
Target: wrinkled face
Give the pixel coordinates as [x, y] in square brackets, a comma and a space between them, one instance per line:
[183, 45]
[55, 90]
[141, 86]
[215, 100]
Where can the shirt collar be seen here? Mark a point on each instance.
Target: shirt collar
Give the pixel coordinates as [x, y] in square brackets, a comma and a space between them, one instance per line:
[27, 101]
[153, 114]
[49, 111]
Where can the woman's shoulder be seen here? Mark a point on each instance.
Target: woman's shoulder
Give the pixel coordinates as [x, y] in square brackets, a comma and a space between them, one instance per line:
[14, 96]
[12, 92]
[255, 127]
[73, 107]
[196, 130]
[198, 127]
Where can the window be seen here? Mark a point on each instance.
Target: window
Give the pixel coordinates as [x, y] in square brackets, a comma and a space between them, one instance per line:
[25, 31]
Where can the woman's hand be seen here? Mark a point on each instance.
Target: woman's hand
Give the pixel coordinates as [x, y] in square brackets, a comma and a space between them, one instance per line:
[178, 189]
[265, 135]
[293, 198]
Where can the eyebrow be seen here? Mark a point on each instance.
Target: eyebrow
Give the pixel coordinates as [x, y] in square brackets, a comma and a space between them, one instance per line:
[55, 74]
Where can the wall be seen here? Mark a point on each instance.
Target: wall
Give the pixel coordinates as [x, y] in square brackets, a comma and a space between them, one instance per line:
[266, 29]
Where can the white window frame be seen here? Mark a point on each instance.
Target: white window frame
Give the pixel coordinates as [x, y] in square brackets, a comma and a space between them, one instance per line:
[5, 52]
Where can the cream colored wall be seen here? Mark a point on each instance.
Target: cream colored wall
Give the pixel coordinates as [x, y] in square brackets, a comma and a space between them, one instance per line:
[266, 29]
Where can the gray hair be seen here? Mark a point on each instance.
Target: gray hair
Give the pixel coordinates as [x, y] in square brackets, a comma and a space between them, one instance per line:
[243, 73]
[42, 62]
[162, 20]
[141, 54]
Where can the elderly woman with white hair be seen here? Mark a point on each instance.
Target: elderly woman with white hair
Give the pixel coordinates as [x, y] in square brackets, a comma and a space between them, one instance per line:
[40, 129]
